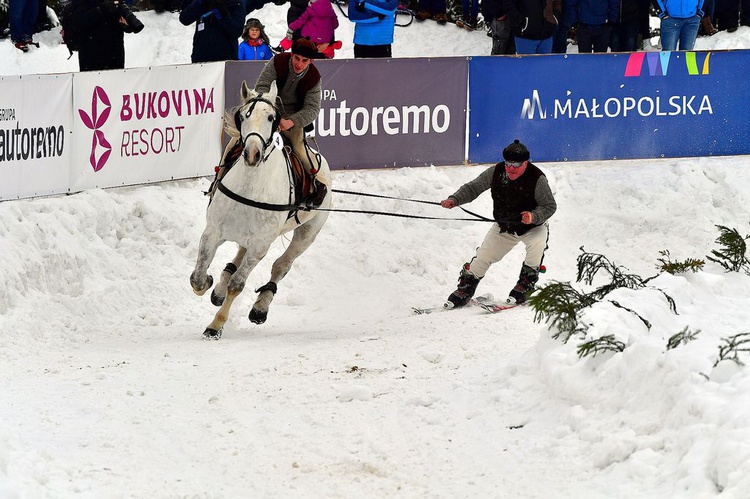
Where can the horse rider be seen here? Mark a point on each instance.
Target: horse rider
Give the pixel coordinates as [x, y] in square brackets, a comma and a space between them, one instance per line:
[299, 90]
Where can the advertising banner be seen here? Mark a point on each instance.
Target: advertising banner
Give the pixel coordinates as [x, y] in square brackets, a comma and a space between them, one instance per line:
[35, 135]
[610, 106]
[383, 112]
[146, 124]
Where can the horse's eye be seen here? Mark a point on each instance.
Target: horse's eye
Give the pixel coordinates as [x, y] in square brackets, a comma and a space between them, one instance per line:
[270, 117]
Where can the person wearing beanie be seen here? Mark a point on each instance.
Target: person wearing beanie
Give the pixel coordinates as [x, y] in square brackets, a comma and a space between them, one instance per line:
[522, 204]
[255, 45]
[299, 87]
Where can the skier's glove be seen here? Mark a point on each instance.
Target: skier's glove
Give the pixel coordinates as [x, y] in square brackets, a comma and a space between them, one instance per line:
[448, 203]
[289, 34]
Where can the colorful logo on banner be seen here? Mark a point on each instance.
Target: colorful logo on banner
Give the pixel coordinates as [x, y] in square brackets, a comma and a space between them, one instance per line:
[100, 110]
[658, 63]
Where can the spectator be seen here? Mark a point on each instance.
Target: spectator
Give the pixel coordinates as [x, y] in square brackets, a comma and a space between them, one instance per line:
[166, 5]
[624, 36]
[431, 9]
[296, 9]
[101, 29]
[255, 45]
[726, 15]
[533, 24]
[43, 22]
[707, 27]
[373, 29]
[745, 12]
[523, 202]
[562, 30]
[218, 25]
[680, 20]
[317, 23]
[593, 20]
[22, 17]
[469, 15]
[494, 14]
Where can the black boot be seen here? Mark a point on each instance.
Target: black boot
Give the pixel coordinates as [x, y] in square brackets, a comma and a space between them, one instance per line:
[525, 285]
[467, 286]
[316, 197]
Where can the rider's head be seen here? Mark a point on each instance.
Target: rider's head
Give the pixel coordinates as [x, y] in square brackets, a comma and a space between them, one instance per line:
[303, 52]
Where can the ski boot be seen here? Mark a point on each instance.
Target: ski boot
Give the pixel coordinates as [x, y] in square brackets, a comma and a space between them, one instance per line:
[525, 285]
[467, 286]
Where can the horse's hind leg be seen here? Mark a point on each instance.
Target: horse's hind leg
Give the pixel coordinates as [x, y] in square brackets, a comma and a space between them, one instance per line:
[220, 290]
[304, 235]
[199, 279]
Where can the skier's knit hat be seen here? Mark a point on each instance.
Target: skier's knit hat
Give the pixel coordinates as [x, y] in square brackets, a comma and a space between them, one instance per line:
[305, 48]
[516, 152]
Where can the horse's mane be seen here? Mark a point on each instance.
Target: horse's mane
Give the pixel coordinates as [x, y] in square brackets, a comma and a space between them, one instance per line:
[229, 127]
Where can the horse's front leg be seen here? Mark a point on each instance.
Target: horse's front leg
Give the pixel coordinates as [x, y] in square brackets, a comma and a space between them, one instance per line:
[234, 287]
[199, 279]
[220, 290]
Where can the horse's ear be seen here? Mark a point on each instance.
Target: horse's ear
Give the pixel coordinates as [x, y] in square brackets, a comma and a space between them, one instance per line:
[244, 91]
[273, 92]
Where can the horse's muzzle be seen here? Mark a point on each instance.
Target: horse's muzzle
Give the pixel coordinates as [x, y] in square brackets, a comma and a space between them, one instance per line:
[252, 156]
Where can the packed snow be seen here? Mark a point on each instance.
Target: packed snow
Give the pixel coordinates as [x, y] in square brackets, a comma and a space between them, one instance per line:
[108, 390]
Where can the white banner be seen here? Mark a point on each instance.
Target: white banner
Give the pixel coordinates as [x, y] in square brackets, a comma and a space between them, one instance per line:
[36, 121]
[146, 124]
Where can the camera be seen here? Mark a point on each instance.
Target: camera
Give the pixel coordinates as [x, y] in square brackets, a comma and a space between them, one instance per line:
[133, 22]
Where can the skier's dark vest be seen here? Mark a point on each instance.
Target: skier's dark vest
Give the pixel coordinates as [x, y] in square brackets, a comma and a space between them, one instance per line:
[311, 78]
[511, 197]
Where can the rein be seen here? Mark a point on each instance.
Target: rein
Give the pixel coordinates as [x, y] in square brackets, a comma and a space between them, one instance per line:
[476, 217]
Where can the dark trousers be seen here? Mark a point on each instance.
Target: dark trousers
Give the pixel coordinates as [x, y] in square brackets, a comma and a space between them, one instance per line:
[726, 14]
[624, 36]
[371, 51]
[593, 38]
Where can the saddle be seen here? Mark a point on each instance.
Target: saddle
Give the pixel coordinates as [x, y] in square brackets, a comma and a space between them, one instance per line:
[308, 190]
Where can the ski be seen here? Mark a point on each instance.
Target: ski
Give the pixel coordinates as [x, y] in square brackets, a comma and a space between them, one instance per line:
[495, 307]
[478, 301]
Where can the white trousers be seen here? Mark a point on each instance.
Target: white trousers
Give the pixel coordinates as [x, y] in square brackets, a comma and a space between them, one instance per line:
[497, 244]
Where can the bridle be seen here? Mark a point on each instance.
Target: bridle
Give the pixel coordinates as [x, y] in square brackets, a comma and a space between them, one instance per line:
[238, 117]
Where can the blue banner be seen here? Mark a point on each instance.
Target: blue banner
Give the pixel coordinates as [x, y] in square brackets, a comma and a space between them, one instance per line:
[610, 106]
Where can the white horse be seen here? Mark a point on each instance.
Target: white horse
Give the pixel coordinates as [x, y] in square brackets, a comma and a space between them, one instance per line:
[252, 208]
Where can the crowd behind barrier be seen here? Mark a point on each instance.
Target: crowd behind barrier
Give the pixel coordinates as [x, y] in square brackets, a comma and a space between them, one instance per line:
[617, 25]
[132, 126]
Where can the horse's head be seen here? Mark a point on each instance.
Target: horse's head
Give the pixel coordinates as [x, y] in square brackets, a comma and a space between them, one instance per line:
[256, 120]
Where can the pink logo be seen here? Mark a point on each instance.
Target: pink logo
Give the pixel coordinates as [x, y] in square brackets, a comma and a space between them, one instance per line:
[100, 109]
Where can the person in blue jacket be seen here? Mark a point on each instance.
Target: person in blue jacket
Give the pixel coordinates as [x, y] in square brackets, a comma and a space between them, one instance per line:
[373, 29]
[255, 45]
[218, 25]
[680, 20]
[593, 20]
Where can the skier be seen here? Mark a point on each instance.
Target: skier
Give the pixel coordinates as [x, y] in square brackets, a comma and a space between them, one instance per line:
[523, 203]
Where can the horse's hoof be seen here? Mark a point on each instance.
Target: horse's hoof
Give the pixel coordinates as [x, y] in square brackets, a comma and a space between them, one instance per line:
[257, 316]
[211, 334]
[216, 299]
[201, 291]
